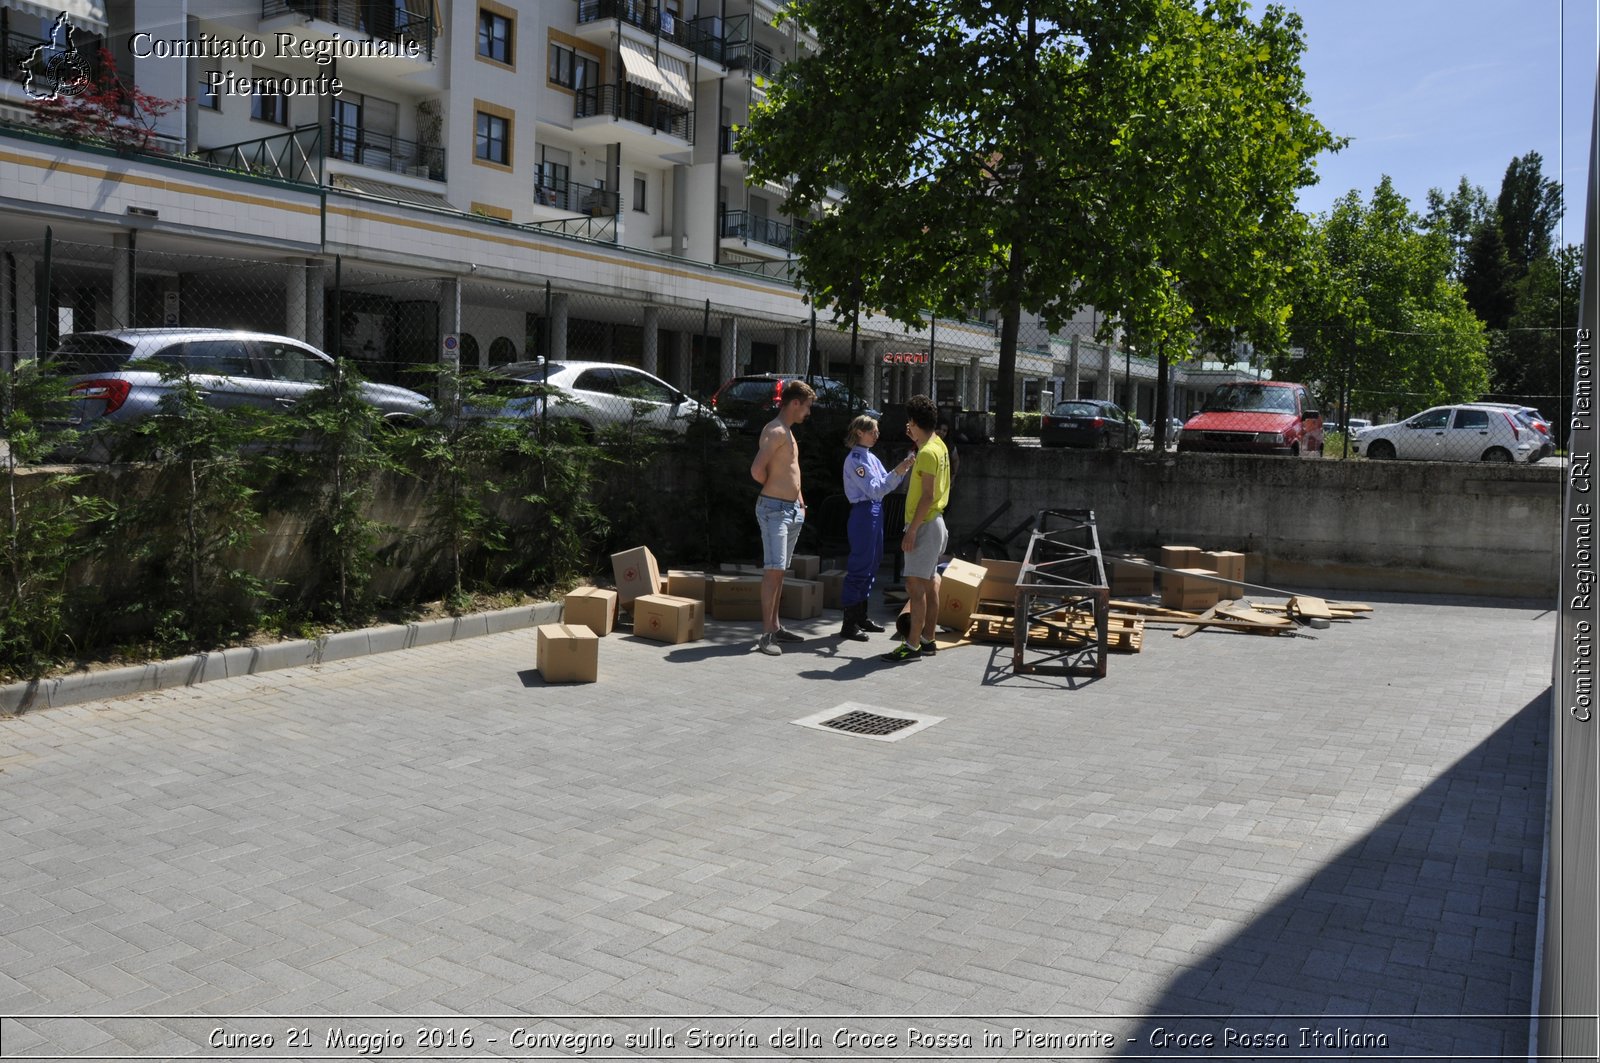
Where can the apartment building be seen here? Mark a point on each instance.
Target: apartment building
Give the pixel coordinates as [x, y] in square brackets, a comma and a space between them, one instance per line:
[422, 180]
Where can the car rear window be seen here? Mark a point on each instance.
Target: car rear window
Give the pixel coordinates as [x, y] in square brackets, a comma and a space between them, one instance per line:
[1075, 409]
[752, 390]
[88, 353]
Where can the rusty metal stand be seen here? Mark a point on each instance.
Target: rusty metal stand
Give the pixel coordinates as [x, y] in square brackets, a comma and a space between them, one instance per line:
[1062, 589]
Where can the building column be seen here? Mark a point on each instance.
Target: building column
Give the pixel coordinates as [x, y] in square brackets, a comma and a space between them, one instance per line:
[121, 280]
[682, 375]
[294, 303]
[316, 303]
[27, 309]
[872, 370]
[1070, 388]
[648, 357]
[558, 327]
[975, 384]
[730, 348]
[449, 325]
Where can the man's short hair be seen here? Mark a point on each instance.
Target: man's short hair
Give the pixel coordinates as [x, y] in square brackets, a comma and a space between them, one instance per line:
[922, 412]
[797, 391]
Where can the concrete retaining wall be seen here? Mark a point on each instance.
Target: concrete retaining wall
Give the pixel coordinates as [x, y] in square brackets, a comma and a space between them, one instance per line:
[1435, 527]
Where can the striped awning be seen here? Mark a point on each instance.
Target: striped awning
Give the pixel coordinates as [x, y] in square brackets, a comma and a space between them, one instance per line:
[393, 193]
[89, 14]
[640, 67]
[676, 75]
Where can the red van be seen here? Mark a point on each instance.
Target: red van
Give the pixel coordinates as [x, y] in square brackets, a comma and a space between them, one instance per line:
[1255, 417]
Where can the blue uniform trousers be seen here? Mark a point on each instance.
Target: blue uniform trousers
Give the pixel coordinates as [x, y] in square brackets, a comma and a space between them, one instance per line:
[866, 551]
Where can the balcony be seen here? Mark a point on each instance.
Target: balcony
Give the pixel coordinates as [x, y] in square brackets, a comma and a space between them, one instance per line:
[730, 140]
[384, 152]
[380, 20]
[292, 156]
[699, 35]
[630, 103]
[557, 194]
[748, 55]
[740, 228]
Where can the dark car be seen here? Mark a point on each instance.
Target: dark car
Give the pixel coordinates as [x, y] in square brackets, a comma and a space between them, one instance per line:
[1094, 423]
[747, 403]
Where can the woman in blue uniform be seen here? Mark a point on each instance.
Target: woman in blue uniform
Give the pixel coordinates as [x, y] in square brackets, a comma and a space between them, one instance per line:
[866, 481]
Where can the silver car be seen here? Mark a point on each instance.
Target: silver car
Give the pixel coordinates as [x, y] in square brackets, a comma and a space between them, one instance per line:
[114, 376]
[600, 395]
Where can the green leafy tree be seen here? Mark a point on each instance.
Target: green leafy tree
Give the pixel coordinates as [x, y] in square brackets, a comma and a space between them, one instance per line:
[345, 444]
[49, 525]
[1140, 156]
[190, 530]
[1378, 317]
[1460, 216]
[1532, 358]
[1528, 208]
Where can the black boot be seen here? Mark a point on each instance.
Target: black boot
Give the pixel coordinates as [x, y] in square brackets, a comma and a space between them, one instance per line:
[853, 615]
[866, 623]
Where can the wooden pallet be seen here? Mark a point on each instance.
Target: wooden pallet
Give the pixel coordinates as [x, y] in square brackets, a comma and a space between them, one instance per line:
[1124, 634]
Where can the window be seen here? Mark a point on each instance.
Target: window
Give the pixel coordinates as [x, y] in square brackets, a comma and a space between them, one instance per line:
[555, 174]
[572, 70]
[286, 361]
[270, 106]
[1430, 419]
[640, 188]
[493, 142]
[205, 95]
[1478, 419]
[494, 36]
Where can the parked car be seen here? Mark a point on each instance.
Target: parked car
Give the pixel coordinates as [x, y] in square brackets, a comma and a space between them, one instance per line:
[1451, 433]
[749, 402]
[114, 376]
[1534, 420]
[1255, 417]
[601, 395]
[1096, 423]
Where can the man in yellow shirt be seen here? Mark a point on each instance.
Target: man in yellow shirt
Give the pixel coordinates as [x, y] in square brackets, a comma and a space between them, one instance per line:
[925, 536]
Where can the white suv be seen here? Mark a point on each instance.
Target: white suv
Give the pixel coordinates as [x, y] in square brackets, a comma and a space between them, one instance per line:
[1452, 433]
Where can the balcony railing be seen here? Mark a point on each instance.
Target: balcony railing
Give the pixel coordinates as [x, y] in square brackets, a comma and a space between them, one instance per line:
[381, 20]
[564, 195]
[633, 104]
[742, 225]
[292, 156]
[730, 140]
[699, 35]
[384, 152]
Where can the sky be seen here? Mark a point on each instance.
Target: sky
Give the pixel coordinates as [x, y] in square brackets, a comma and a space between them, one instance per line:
[1431, 90]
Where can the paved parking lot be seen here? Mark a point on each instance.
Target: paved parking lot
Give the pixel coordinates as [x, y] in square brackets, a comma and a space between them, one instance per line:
[1273, 837]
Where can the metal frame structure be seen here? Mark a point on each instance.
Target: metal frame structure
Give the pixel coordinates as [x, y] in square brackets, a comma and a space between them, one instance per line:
[1063, 576]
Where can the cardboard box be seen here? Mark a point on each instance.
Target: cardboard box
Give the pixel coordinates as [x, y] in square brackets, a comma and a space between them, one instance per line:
[635, 572]
[1226, 563]
[959, 587]
[736, 598]
[593, 607]
[1000, 581]
[1179, 557]
[1191, 595]
[802, 599]
[685, 584]
[567, 653]
[805, 566]
[1129, 580]
[728, 568]
[669, 619]
[832, 581]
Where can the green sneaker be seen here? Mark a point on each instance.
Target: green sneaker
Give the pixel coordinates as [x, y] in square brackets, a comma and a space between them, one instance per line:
[900, 653]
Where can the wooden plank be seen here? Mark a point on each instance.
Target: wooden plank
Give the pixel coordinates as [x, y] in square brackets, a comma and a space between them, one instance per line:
[1307, 606]
[1244, 611]
[1189, 629]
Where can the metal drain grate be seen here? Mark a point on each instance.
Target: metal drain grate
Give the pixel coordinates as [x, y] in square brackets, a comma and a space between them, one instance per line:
[868, 723]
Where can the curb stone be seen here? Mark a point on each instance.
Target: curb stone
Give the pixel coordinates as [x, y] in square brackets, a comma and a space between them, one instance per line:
[31, 694]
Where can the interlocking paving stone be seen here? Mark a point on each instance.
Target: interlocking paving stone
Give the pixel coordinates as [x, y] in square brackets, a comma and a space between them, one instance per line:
[1227, 824]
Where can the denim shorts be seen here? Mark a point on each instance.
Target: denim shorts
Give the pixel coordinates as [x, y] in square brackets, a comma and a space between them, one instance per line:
[780, 530]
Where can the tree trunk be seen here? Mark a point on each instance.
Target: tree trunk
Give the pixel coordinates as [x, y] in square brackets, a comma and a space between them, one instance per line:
[1005, 403]
[1158, 430]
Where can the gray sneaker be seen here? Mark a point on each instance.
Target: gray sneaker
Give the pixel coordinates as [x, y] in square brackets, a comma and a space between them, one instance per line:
[769, 647]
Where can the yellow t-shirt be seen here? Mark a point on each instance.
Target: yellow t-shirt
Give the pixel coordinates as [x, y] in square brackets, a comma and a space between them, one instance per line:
[933, 458]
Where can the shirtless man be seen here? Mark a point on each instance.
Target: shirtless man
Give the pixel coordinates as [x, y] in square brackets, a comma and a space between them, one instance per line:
[781, 507]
